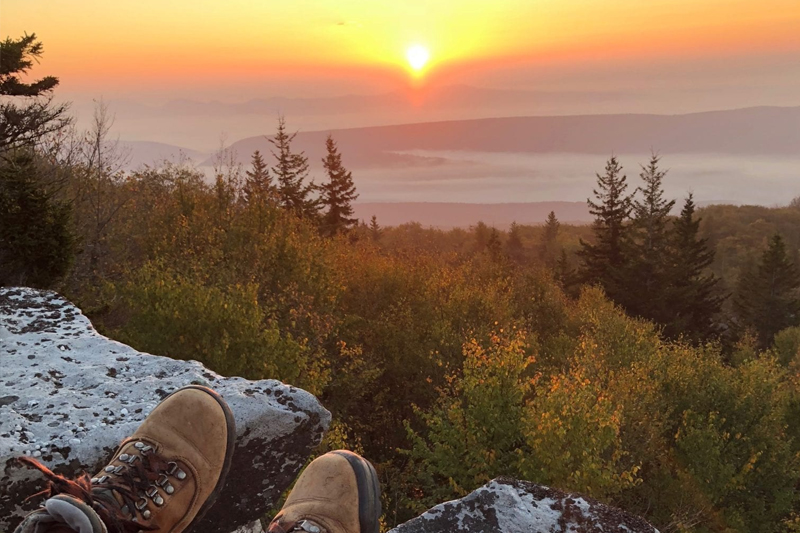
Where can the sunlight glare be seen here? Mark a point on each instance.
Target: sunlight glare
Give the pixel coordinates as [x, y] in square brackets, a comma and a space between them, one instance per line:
[417, 56]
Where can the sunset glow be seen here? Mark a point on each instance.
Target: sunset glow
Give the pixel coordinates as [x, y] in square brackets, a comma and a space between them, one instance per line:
[417, 57]
[365, 46]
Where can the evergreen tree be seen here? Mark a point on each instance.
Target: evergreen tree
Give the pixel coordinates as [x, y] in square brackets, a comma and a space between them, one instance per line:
[548, 248]
[693, 297]
[375, 230]
[338, 194]
[514, 247]
[37, 245]
[24, 124]
[645, 274]
[603, 260]
[767, 298]
[494, 246]
[482, 234]
[291, 171]
[258, 184]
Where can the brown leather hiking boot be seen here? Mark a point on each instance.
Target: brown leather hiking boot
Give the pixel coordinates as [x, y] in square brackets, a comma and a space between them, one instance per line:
[163, 478]
[337, 493]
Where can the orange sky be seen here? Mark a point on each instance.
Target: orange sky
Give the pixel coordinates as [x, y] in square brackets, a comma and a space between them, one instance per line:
[179, 43]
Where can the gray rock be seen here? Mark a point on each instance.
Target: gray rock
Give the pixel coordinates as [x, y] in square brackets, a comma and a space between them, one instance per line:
[68, 396]
[509, 506]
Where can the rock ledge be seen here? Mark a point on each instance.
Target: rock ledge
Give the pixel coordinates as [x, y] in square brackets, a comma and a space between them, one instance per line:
[509, 506]
[68, 396]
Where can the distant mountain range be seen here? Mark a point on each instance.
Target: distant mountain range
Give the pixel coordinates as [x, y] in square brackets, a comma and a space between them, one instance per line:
[752, 131]
[743, 156]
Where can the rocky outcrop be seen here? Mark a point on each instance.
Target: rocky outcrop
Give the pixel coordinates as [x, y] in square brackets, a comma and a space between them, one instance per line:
[510, 506]
[68, 396]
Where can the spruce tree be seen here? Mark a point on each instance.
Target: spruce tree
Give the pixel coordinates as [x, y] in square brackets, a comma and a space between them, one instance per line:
[562, 271]
[548, 248]
[767, 298]
[482, 234]
[514, 247]
[375, 230]
[693, 298]
[37, 245]
[291, 171]
[494, 246]
[603, 260]
[645, 274]
[37, 116]
[258, 186]
[338, 194]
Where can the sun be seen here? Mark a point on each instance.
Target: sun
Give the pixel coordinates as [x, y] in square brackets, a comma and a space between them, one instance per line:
[417, 56]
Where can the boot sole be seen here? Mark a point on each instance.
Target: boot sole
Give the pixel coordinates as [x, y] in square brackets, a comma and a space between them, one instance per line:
[369, 491]
[226, 465]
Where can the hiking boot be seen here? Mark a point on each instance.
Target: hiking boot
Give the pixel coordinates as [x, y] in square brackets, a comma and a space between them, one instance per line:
[337, 493]
[163, 478]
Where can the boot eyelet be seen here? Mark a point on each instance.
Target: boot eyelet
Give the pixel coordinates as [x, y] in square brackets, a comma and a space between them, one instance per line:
[133, 459]
[139, 445]
[162, 480]
[172, 466]
[152, 492]
[146, 515]
[124, 457]
[109, 468]
[305, 525]
[141, 504]
[180, 474]
[169, 489]
[118, 470]
[158, 500]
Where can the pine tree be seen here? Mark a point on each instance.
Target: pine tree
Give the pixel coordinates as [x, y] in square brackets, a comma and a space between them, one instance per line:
[375, 230]
[767, 298]
[258, 186]
[37, 117]
[338, 194]
[514, 247]
[693, 299]
[603, 260]
[646, 249]
[37, 245]
[291, 171]
[548, 248]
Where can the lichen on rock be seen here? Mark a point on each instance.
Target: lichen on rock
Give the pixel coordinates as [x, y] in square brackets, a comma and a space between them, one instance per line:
[69, 395]
[509, 506]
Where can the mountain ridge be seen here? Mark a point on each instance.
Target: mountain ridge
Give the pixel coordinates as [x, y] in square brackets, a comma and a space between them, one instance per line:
[764, 130]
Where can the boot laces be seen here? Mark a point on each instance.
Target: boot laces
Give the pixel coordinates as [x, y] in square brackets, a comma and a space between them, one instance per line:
[140, 478]
[122, 495]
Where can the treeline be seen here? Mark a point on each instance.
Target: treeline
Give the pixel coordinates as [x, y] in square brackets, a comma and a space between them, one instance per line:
[447, 358]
